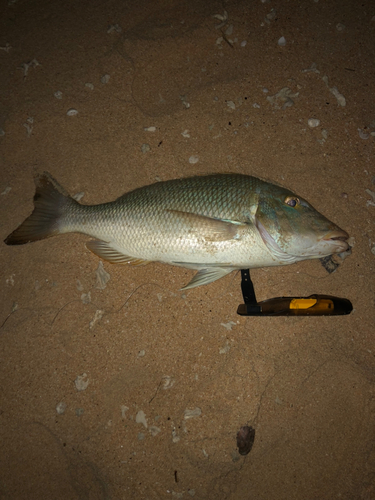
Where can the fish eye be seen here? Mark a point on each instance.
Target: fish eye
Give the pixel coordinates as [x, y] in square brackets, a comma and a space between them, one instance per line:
[292, 201]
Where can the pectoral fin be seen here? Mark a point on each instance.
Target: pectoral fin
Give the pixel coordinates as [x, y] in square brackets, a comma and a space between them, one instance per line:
[206, 276]
[105, 251]
[209, 228]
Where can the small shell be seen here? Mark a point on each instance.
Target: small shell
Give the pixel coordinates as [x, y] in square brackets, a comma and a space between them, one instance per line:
[72, 112]
[281, 42]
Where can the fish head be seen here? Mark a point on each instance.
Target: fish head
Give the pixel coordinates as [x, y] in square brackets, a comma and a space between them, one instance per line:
[293, 230]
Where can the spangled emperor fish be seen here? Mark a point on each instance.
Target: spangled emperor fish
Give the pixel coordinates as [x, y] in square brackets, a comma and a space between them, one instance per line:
[213, 224]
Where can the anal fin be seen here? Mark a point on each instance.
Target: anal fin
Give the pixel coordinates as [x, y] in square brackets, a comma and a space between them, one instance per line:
[106, 252]
[206, 276]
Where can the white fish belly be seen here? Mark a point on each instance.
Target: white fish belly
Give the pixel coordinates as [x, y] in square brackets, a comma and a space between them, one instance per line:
[188, 249]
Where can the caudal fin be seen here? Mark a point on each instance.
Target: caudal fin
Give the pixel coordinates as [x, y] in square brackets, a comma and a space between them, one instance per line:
[50, 204]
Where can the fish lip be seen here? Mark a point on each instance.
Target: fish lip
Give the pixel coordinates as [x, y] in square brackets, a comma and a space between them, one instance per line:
[339, 235]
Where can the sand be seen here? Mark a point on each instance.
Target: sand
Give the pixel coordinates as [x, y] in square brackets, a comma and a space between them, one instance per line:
[127, 388]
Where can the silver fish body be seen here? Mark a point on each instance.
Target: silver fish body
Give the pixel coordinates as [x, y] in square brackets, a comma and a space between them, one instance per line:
[214, 224]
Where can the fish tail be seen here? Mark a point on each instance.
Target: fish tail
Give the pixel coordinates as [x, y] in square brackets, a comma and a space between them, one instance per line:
[51, 203]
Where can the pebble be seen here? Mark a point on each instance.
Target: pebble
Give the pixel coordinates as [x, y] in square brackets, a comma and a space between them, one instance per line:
[192, 413]
[81, 382]
[72, 112]
[25, 66]
[281, 42]
[270, 16]
[60, 408]
[78, 196]
[58, 94]
[283, 99]
[124, 409]
[184, 101]
[102, 277]
[86, 298]
[245, 439]
[313, 69]
[6, 48]
[229, 30]
[140, 418]
[97, 317]
[145, 148]
[225, 349]
[114, 28]
[29, 125]
[362, 134]
[193, 159]
[228, 325]
[313, 122]
[168, 382]
[370, 202]
[150, 129]
[223, 17]
[153, 430]
[340, 98]
[105, 79]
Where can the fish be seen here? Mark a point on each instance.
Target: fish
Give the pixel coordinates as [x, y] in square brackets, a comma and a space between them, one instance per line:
[213, 224]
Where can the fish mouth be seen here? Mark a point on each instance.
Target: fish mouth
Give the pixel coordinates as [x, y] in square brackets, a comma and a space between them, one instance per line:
[339, 238]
